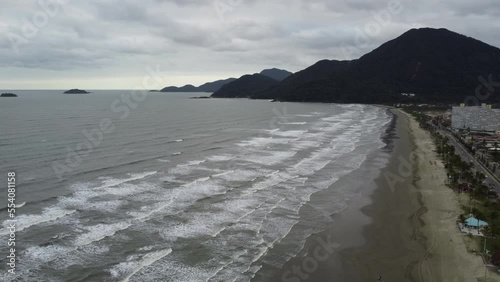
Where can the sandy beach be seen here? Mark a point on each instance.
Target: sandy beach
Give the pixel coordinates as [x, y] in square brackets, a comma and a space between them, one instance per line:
[414, 236]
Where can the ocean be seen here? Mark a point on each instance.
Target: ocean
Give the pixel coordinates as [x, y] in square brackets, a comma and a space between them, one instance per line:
[172, 188]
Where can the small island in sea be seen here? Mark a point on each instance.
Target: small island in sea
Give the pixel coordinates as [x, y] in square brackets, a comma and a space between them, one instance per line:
[8, 95]
[76, 91]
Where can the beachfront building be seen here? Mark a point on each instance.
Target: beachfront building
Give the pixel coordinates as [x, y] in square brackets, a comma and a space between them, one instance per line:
[482, 118]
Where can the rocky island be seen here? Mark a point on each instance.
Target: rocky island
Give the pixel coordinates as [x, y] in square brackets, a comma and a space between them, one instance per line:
[76, 91]
[8, 95]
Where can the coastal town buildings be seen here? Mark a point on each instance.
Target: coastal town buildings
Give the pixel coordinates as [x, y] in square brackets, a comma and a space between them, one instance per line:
[479, 118]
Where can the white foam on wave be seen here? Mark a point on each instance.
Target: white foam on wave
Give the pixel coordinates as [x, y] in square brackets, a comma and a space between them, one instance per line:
[318, 113]
[268, 210]
[86, 198]
[195, 163]
[39, 255]
[293, 123]
[306, 144]
[146, 248]
[98, 232]
[272, 180]
[336, 119]
[186, 168]
[84, 204]
[232, 269]
[245, 251]
[197, 225]
[222, 174]
[270, 157]
[146, 211]
[172, 268]
[125, 270]
[222, 158]
[198, 189]
[163, 160]
[110, 182]
[61, 257]
[94, 249]
[130, 189]
[203, 179]
[347, 116]
[228, 212]
[239, 175]
[241, 209]
[47, 215]
[276, 228]
[290, 133]
[262, 142]
[177, 199]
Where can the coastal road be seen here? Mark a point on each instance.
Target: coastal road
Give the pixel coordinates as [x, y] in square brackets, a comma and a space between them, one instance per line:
[491, 181]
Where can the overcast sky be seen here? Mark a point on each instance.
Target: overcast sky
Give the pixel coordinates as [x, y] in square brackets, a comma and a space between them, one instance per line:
[107, 44]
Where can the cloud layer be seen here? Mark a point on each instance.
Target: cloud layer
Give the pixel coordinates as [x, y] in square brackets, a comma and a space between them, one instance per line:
[102, 44]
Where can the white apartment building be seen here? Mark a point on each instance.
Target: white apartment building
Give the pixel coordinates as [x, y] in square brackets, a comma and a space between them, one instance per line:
[481, 118]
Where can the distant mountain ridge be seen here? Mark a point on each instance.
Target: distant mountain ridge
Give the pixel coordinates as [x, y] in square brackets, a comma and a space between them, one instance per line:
[276, 74]
[246, 86]
[437, 65]
[185, 88]
[250, 86]
[210, 87]
[214, 86]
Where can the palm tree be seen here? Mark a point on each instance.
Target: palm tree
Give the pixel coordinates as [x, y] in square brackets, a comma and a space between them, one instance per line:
[495, 153]
[480, 177]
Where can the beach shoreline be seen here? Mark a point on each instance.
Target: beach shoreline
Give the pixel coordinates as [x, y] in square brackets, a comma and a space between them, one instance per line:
[345, 231]
[401, 227]
[414, 236]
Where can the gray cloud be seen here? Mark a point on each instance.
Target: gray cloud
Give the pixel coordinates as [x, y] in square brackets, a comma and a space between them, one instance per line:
[192, 43]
